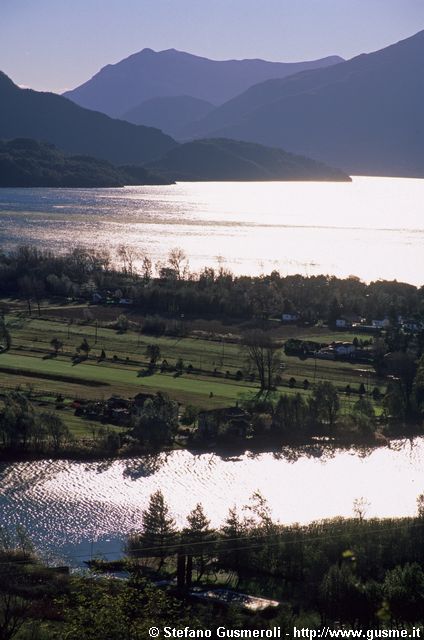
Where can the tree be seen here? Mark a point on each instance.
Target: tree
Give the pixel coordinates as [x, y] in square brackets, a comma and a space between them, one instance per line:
[85, 347]
[404, 590]
[56, 344]
[14, 583]
[122, 323]
[341, 595]
[326, 401]
[394, 407]
[290, 415]
[190, 415]
[25, 289]
[13, 612]
[158, 535]
[157, 422]
[420, 506]
[261, 352]
[153, 352]
[419, 385]
[360, 507]
[198, 539]
[128, 256]
[178, 263]
[146, 268]
[56, 429]
[403, 368]
[104, 610]
[232, 548]
[17, 420]
[364, 415]
[334, 313]
[5, 337]
[379, 350]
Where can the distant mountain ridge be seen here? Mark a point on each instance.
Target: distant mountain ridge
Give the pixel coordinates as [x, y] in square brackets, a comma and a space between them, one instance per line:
[363, 115]
[79, 132]
[29, 163]
[170, 113]
[117, 88]
[232, 160]
[25, 113]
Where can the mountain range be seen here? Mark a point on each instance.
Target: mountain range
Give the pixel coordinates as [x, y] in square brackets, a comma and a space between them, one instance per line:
[364, 115]
[117, 88]
[25, 113]
[80, 132]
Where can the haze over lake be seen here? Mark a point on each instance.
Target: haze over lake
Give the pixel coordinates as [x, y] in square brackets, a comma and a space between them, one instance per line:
[372, 228]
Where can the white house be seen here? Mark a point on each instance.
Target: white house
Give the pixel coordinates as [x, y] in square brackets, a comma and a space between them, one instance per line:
[290, 317]
[381, 324]
[342, 323]
[344, 348]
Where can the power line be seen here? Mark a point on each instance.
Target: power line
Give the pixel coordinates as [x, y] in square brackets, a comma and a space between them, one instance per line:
[224, 541]
[258, 544]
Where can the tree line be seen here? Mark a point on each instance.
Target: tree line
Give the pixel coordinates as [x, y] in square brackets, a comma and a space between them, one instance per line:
[169, 287]
[335, 570]
[328, 573]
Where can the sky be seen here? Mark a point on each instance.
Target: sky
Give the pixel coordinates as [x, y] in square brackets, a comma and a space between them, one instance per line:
[56, 45]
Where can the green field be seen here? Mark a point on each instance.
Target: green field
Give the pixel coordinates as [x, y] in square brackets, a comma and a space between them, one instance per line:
[30, 362]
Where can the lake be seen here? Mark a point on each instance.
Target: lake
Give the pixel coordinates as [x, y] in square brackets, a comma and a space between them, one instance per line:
[372, 228]
[75, 509]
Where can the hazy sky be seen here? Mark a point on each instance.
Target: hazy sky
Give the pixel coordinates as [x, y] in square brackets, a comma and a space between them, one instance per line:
[57, 44]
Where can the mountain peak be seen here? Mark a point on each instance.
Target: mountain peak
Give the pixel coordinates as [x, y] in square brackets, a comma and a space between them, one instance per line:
[363, 115]
[118, 88]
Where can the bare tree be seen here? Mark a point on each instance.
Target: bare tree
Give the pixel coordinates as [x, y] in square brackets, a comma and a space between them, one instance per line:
[360, 507]
[178, 262]
[128, 256]
[147, 268]
[261, 351]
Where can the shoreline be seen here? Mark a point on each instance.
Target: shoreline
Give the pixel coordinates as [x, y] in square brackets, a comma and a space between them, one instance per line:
[223, 450]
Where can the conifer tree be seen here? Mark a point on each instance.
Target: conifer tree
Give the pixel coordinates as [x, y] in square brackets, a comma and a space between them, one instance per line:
[198, 539]
[158, 535]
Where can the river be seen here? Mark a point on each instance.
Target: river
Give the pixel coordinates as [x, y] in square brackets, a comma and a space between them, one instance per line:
[372, 228]
[73, 510]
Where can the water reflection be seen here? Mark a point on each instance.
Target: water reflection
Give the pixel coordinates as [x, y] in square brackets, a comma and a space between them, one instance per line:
[78, 508]
[136, 468]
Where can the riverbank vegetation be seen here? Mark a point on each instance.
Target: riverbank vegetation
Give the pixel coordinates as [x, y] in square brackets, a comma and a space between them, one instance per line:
[252, 573]
[117, 359]
[329, 571]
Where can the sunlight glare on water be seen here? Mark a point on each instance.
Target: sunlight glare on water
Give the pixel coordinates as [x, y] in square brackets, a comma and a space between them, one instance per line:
[372, 228]
[65, 505]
